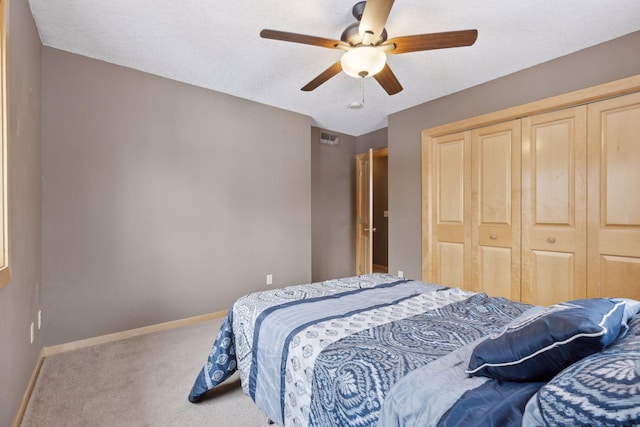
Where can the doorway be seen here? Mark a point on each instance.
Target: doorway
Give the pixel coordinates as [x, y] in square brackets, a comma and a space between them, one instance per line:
[372, 212]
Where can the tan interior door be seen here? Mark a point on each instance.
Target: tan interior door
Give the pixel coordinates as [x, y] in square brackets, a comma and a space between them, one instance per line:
[554, 210]
[495, 228]
[450, 245]
[364, 213]
[613, 248]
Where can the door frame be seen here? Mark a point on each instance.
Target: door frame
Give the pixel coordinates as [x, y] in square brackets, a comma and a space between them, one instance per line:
[364, 211]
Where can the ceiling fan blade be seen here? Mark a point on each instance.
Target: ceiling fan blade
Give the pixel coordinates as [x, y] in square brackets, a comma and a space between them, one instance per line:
[323, 77]
[374, 19]
[420, 42]
[388, 80]
[301, 38]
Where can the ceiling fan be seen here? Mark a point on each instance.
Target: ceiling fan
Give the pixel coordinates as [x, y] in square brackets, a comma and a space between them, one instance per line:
[365, 44]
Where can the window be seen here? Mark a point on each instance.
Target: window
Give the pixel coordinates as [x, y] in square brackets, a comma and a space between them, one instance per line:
[5, 272]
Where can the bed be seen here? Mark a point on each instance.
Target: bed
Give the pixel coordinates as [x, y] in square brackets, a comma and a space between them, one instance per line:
[380, 350]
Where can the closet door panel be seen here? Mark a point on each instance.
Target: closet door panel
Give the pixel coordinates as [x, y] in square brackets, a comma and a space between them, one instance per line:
[620, 168]
[617, 273]
[554, 161]
[495, 268]
[553, 148]
[495, 159]
[553, 276]
[451, 264]
[494, 173]
[614, 205]
[451, 250]
[450, 194]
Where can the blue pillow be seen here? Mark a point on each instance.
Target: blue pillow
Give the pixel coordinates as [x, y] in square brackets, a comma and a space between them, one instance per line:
[539, 346]
[602, 389]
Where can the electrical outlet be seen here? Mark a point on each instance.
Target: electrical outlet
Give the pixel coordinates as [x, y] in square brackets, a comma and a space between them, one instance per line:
[269, 279]
[400, 273]
[32, 332]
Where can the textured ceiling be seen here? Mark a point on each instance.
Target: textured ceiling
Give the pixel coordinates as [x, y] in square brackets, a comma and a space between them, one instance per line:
[216, 45]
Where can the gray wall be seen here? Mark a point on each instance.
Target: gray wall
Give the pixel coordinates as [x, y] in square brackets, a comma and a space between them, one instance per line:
[333, 184]
[333, 189]
[375, 140]
[599, 64]
[163, 200]
[21, 299]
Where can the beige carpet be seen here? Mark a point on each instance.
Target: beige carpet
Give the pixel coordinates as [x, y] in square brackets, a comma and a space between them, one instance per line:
[140, 381]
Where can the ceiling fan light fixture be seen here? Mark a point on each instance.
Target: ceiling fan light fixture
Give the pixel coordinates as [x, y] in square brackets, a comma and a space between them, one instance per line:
[363, 61]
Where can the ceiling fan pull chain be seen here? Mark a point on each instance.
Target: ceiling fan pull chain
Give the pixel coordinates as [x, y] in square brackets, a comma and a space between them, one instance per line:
[362, 88]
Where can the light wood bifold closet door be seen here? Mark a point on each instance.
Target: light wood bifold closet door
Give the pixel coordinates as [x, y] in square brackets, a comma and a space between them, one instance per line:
[614, 198]
[554, 210]
[495, 216]
[475, 192]
[451, 216]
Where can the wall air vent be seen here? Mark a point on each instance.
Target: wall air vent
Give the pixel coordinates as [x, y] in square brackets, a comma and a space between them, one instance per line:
[327, 138]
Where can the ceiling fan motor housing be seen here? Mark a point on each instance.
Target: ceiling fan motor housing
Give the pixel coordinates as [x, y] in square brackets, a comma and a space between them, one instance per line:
[358, 10]
[351, 35]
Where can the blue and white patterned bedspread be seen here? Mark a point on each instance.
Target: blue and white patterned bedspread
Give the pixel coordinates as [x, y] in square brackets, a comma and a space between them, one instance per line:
[233, 347]
[327, 354]
[440, 393]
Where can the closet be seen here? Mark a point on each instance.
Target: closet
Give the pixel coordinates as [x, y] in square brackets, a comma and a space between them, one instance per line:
[537, 203]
